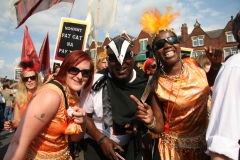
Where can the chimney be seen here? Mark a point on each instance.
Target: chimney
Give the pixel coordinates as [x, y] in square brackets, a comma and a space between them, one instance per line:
[184, 32]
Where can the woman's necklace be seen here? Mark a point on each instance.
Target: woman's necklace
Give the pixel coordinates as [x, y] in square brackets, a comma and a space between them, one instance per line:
[175, 77]
[72, 99]
[168, 117]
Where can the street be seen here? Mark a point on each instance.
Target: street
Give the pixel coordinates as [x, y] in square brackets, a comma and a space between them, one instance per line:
[5, 137]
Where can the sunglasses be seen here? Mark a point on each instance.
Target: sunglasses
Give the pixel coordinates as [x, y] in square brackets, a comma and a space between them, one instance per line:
[113, 58]
[85, 73]
[25, 79]
[160, 43]
[153, 66]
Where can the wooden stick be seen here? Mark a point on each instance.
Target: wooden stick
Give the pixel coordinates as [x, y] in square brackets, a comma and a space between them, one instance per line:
[71, 8]
[96, 39]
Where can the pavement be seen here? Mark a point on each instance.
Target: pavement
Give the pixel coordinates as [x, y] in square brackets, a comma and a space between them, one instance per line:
[5, 138]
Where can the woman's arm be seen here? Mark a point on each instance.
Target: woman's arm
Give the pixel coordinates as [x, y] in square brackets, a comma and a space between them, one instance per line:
[37, 115]
[17, 116]
[157, 109]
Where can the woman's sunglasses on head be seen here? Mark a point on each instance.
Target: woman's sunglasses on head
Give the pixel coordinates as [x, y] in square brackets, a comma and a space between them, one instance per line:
[25, 79]
[85, 72]
[113, 58]
[160, 43]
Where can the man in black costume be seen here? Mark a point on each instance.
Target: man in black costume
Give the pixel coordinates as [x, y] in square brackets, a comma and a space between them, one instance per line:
[112, 128]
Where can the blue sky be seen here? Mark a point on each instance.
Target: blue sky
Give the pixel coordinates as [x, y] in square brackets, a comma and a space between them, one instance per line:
[211, 14]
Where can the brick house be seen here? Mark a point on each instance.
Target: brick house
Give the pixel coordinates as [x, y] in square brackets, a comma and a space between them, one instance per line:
[220, 38]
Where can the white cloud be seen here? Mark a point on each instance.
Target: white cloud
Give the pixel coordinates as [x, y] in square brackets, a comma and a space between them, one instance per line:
[17, 46]
[1, 63]
[197, 4]
[215, 13]
[3, 30]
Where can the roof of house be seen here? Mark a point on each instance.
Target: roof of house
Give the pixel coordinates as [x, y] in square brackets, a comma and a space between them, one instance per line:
[214, 33]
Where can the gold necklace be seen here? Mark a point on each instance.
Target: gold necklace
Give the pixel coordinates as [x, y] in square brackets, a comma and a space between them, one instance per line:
[174, 77]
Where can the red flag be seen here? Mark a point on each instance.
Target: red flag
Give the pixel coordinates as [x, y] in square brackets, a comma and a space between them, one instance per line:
[26, 8]
[44, 56]
[28, 49]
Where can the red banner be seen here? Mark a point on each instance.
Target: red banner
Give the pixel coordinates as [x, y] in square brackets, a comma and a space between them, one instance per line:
[26, 8]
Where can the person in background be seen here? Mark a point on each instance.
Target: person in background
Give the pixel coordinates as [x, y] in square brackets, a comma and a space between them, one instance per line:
[204, 62]
[2, 106]
[28, 84]
[101, 61]
[112, 128]
[149, 66]
[56, 69]
[50, 76]
[179, 93]
[53, 115]
[9, 110]
[223, 132]
[47, 78]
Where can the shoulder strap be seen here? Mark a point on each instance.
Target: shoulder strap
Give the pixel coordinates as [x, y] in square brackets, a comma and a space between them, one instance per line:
[61, 87]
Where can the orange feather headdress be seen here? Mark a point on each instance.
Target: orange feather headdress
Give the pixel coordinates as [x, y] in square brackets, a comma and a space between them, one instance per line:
[152, 21]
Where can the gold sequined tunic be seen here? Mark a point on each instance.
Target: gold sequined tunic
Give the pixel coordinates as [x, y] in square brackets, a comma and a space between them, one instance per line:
[188, 122]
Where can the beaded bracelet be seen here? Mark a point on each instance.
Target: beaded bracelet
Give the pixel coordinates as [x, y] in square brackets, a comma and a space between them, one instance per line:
[152, 125]
[101, 140]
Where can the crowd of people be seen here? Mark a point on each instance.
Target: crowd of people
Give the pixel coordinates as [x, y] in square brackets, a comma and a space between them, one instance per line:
[120, 111]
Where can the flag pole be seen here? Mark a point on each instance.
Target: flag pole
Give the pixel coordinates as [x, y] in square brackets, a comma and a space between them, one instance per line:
[96, 39]
[71, 8]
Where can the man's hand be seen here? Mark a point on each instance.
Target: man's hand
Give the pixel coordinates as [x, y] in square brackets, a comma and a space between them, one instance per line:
[109, 147]
[214, 55]
[131, 129]
[144, 111]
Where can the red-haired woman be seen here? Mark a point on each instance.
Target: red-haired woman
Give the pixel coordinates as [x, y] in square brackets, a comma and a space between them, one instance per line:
[43, 131]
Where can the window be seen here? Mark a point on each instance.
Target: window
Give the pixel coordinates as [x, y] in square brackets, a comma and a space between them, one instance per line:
[197, 53]
[194, 41]
[143, 44]
[229, 50]
[93, 52]
[193, 55]
[230, 37]
[198, 41]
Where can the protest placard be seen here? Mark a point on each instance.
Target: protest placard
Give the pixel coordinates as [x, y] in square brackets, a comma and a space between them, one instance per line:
[72, 36]
[17, 73]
